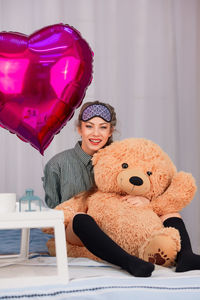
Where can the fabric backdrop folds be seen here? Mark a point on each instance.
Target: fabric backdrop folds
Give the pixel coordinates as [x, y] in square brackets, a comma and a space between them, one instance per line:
[146, 64]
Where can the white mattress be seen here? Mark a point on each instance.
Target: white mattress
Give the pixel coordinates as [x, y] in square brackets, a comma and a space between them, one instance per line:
[93, 280]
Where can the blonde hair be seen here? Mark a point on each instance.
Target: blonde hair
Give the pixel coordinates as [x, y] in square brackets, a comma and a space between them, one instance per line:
[113, 121]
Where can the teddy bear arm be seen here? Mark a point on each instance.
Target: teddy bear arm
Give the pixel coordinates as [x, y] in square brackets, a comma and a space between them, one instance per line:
[179, 194]
[71, 207]
[68, 215]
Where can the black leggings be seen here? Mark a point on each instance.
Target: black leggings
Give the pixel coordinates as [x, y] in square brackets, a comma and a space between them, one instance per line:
[97, 242]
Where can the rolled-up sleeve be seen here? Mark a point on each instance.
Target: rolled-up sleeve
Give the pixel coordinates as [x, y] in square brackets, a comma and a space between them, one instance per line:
[51, 184]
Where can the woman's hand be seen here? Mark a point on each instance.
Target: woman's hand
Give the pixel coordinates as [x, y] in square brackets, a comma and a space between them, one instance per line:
[136, 200]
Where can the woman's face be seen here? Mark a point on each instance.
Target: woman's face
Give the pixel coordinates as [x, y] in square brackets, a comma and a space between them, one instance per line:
[95, 134]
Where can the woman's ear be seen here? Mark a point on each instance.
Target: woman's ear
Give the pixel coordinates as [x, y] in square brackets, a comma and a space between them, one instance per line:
[111, 131]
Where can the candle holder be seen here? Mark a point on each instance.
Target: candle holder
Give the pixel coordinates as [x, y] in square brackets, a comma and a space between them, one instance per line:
[29, 199]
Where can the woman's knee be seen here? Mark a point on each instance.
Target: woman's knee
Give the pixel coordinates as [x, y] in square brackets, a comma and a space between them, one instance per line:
[172, 215]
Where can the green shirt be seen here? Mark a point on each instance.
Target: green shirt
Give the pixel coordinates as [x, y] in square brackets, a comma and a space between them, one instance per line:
[67, 174]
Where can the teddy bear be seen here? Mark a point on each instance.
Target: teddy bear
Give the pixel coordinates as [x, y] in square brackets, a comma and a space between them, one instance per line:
[140, 168]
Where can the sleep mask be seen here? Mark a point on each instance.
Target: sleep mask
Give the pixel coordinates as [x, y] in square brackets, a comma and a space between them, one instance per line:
[96, 110]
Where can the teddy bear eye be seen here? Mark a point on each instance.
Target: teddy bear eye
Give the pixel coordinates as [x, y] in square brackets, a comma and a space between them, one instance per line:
[124, 165]
[149, 173]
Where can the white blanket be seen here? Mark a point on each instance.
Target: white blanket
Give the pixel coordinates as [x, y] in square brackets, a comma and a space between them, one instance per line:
[92, 280]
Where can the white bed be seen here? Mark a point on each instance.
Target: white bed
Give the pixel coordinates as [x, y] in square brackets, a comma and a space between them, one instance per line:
[93, 280]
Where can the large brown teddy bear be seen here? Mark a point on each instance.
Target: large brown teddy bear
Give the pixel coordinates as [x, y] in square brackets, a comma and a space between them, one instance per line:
[140, 168]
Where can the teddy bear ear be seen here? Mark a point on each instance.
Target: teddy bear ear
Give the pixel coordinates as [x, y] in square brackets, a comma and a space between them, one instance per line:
[95, 157]
[98, 155]
[102, 152]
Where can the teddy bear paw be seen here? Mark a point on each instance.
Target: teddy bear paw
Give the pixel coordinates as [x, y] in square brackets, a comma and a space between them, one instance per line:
[161, 249]
[51, 247]
[159, 258]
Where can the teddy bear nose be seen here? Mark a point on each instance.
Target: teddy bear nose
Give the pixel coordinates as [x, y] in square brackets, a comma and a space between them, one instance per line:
[135, 180]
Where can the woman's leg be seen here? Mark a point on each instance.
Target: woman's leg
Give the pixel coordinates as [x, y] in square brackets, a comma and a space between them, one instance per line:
[97, 242]
[186, 259]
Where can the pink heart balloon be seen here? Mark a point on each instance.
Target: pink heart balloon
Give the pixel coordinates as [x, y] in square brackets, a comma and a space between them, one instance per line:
[43, 79]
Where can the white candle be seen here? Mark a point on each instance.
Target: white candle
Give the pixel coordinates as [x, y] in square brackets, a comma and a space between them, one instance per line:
[7, 202]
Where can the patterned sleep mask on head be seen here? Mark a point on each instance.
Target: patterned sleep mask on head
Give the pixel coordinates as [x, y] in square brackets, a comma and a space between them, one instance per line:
[96, 110]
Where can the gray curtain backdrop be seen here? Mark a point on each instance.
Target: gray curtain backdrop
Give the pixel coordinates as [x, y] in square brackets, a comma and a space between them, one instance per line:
[146, 64]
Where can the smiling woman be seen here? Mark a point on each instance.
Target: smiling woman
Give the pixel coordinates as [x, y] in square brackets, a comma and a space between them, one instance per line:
[70, 172]
[95, 134]
[96, 124]
[97, 121]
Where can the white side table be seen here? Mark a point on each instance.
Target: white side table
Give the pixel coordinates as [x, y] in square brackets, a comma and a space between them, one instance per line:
[39, 219]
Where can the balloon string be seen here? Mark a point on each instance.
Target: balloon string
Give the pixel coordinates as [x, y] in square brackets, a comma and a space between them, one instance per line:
[43, 163]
